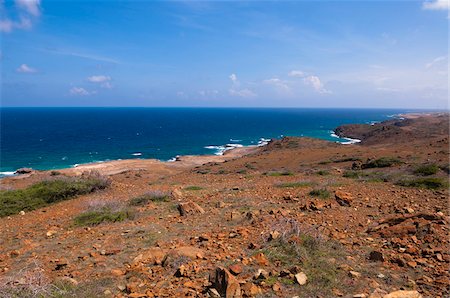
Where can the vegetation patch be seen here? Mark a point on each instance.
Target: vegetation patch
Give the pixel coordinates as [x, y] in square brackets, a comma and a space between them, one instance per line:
[48, 192]
[382, 162]
[294, 184]
[278, 174]
[351, 174]
[151, 196]
[429, 182]
[96, 217]
[347, 159]
[323, 173]
[322, 193]
[193, 187]
[426, 170]
[307, 248]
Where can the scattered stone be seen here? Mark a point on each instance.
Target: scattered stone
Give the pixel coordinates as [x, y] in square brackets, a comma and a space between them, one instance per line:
[261, 274]
[22, 212]
[403, 294]
[220, 204]
[359, 295]
[274, 235]
[213, 293]
[51, 233]
[225, 283]
[235, 269]
[261, 259]
[354, 274]
[376, 256]
[276, 287]
[343, 198]
[301, 278]
[190, 208]
[249, 289]
[181, 271]
[177, 194]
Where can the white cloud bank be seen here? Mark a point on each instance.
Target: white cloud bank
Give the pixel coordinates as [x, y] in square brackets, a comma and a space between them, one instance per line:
[80, 91]
[436, 5]
[28, 11]
[237, 91]
[104, 81]
[317, 85]
[26, 69]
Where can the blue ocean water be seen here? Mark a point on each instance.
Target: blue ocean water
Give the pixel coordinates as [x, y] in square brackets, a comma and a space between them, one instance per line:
[54, 138]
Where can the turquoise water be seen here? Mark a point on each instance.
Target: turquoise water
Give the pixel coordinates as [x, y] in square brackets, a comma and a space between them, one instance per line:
[54, 138]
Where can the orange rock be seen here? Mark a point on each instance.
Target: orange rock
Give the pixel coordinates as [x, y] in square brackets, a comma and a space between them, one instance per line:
[225, 283]
[249, 289]
[190, 208]
[343, 198]
[261, 259]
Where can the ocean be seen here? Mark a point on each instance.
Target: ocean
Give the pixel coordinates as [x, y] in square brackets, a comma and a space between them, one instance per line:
[55, 138]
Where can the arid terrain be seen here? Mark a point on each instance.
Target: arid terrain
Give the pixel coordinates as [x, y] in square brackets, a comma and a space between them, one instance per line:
[298, 217]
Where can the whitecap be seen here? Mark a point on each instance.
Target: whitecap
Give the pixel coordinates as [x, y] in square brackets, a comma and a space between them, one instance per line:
[137, 154]
[8, 173]
[233, 140]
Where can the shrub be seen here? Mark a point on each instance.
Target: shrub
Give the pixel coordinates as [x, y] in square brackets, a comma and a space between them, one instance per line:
[321, 193]
[426, 170]
[294, 184]
[382, 162]
[151, 196]
[278, 174]
[430, 183]
[193, 187]
[48, 192]
[323, 173]
[351, 174]
[101, 211]
[347, 159]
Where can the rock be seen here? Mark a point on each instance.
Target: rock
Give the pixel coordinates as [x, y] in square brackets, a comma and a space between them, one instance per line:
[274, 235]
[24, 171]
[362, 295]
[249, 289]
[343, 198]
[354, 274]
[235, 269]
[50, 233]
[378, 293]
[182, 252]
[225, 283]
[261, 274]
[181, 271]
[22, 212]
[376, 256]
[177, 194]
[276, 287]
[261, 259]
[403, 294]
[190, 208]
[213, 293]
[153, 256]
[301, 278]
[220, 204]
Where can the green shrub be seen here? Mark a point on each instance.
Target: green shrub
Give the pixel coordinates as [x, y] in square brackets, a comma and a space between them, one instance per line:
[351, 174]
[48, 192]
[151, 196]
[347, 159]
[294, 184]
[382, 162]
[321, 193]
[278, 174]
[426, 170]
[430, 183]
[323, 173]
[193, 187]
[105, 214]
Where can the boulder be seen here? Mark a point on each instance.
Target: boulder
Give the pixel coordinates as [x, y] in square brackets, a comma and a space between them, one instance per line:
[225, 283]
[301, 278]
[343, 198]
[154, 256]
[403, 294]
[24, 171]
[190, 208]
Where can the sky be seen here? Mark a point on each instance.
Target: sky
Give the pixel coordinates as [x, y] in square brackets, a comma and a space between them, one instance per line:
[359, 54]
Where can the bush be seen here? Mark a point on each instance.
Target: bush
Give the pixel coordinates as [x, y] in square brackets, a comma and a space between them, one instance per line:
[323, 173]
[48, 192]
[102, 211]
[430, 183]
[278, 174]
[426, 170]
[321, 193]
[347, 159]
[151, 196]
[351, 174]
[294, 184]
[193, 187]
[382, 162]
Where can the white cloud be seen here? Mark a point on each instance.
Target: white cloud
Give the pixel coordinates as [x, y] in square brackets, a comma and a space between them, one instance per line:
[233, 78]
[28, 11]
[436, 5]
[246, 93]
[104, 81]
[80, 91]
[436, 62]
[208, 93]
[315, 82]
[279, 84]
[30, 6]
[296, 73]
[26, 69]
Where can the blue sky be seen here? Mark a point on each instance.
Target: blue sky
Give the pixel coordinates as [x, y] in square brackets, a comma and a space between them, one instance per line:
[225, 53]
